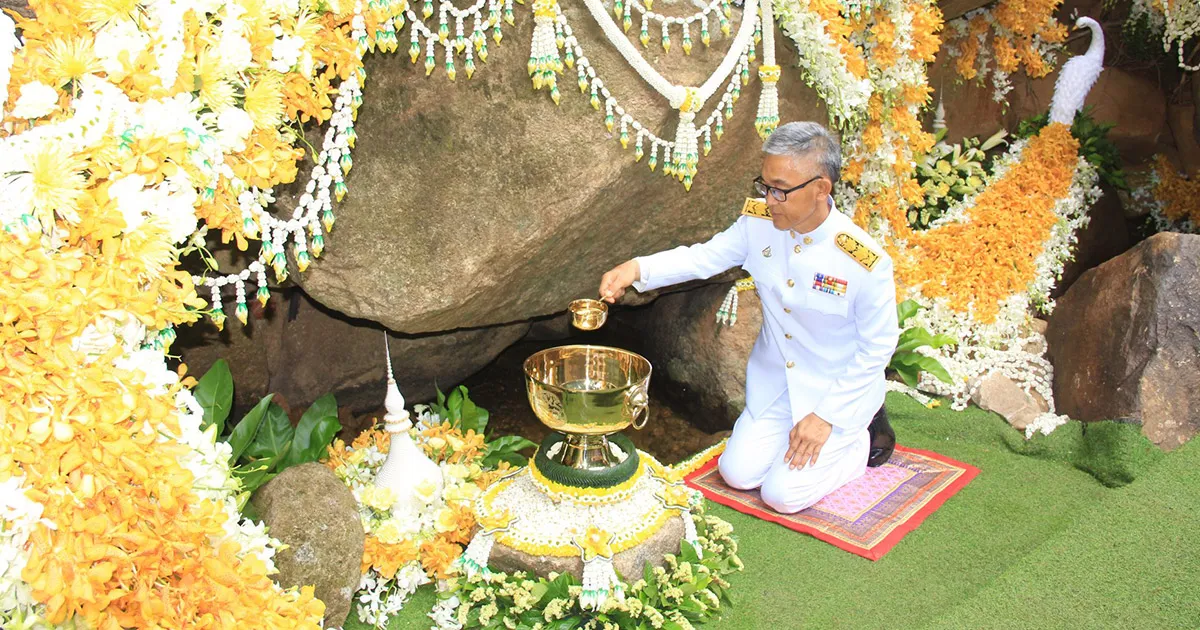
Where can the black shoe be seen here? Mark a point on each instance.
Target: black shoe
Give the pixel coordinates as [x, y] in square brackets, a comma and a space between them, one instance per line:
[883, 439]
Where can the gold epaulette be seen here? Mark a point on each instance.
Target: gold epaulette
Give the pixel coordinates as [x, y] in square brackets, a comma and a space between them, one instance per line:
[854, 248]
[756, 208]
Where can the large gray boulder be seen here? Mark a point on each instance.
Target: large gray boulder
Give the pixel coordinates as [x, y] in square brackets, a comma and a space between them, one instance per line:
[480, 202]
[702, 364]
[301, 351]
[311, 511]
[1124, 343]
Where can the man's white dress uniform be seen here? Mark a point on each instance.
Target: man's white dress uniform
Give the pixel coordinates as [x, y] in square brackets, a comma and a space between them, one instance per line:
[829, 330]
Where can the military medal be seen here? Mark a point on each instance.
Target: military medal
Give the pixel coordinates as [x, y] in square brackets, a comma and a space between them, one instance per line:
[829, 284]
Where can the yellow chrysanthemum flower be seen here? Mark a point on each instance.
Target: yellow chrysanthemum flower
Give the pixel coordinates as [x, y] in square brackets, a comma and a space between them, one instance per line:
[56, 182]
[264, 101]
[70, 60]
[102, 12]
[214, 91]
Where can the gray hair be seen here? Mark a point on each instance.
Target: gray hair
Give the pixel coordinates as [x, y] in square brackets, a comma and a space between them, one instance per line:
[802, 139]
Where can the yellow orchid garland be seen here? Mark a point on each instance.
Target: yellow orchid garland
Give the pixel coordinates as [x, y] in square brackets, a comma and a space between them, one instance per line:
[92, 427]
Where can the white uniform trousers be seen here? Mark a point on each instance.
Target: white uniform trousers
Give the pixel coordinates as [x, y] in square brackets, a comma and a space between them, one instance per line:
[754, 458]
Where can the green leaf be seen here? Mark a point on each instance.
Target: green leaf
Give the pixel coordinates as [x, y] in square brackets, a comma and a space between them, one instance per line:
[314, 432]
[257, 473]
[214, 392]
[472, 418]
[566, 623]
[274, 436]
[687, 551]
[914, 338]
[506, 449]
[906, 358]
[245, 430]
[906, 309]
[455, 402]
[931, 365]
[908, 374]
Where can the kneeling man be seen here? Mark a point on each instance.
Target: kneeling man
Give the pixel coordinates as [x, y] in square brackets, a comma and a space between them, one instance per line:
[815, 377]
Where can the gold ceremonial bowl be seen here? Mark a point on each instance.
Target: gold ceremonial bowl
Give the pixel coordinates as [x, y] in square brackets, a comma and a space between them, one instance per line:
[588, 390]
[588, 314]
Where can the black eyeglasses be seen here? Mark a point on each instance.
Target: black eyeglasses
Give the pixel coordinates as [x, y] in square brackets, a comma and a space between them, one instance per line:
[780, 194]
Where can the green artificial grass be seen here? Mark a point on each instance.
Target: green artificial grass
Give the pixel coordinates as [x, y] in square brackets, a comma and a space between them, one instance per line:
[1128, 561]
[1033, 541]
[1112, 452]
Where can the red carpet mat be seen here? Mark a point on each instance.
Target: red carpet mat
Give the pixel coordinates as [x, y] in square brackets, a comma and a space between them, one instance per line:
[867, 516]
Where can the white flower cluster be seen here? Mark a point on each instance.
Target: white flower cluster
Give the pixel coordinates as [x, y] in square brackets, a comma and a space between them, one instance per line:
[18, 516]
[823, 65]
[1182, 25]
[545, 521]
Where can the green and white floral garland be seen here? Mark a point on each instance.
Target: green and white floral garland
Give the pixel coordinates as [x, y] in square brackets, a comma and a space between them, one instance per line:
[690, 589]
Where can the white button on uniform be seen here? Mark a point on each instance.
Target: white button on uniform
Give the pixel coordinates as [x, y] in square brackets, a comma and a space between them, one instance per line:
[791, 364]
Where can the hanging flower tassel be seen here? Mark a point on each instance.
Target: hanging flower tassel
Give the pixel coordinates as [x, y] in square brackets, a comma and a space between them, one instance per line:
[727, 312]
[217, 312]
[768, 101]
[600, 581]
[687, 148]
[690, 535]
[474, 560]
[544, 62]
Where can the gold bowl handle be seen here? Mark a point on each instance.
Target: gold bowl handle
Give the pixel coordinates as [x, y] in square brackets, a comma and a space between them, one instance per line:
[637, 401]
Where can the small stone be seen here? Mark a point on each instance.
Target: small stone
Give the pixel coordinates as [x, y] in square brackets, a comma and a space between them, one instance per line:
[998, 393]
[311, 511]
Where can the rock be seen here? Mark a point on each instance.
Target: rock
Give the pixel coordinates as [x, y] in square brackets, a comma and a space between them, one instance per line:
[628, 563]
[309, 509]
[1182, 121]
[1137, 177]
[480, 202]
[999, 394]
[1135, 104]
[970, 110]
[322, 352]
[302, 351]
[247, 349]
[956, 8]
[1106, 236]
[703, 363]
[19, 6]
[554, 328]
[1124, 343]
